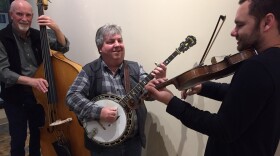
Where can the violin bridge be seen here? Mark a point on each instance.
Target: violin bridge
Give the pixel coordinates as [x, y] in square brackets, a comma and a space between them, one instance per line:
[216, 59]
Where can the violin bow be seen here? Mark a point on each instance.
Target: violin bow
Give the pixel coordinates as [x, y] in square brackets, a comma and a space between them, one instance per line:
[212, 39]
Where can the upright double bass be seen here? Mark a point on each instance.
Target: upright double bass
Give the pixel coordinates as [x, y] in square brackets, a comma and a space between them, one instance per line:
[61, 135]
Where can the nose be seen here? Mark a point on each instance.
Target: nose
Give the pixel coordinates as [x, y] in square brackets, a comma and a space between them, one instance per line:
[24, 18]
[233, 32]
[117, 43]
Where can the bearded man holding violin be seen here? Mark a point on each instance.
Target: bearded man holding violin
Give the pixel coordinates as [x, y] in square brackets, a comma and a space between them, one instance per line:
[248, 121]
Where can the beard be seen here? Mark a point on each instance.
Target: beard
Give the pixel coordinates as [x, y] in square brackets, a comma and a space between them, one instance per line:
[23, 27]
[249, 40]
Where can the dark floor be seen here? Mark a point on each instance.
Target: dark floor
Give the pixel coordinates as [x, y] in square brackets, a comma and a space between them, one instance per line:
[5, 139]
[4, 135]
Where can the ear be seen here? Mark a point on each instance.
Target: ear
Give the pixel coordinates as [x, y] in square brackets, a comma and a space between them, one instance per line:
[269, 21]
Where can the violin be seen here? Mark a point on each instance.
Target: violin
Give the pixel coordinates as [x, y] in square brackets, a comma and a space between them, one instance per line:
[217, 70]
[204, 73]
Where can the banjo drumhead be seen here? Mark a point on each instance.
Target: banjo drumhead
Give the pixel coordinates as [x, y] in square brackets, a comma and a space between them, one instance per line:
[105, 132]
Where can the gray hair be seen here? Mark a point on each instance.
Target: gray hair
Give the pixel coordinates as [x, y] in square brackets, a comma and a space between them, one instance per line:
[106, 30]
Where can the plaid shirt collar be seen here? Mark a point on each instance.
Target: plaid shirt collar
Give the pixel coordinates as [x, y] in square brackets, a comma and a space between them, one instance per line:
[105, 67]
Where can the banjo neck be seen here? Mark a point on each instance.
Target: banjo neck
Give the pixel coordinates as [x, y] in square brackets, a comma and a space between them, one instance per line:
[132, 97]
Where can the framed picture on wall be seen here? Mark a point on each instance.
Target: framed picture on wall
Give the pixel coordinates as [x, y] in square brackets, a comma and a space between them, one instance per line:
[4, 9]
[3, 18]
[4, 21]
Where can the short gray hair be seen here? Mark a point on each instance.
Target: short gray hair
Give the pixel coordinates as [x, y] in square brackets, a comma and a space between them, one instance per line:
[106, 30]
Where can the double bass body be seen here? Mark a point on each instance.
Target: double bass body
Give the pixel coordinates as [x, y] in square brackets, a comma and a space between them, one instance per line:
[62, 134]
[71, 133]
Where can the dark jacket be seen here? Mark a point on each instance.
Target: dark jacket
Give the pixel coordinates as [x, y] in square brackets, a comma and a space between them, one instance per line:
[248, 121]
[11, 94]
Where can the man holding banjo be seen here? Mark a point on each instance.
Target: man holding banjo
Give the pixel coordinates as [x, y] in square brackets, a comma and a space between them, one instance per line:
[96, 96]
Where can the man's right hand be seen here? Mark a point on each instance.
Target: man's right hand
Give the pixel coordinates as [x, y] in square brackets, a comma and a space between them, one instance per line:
[109, 114]
[38, 83]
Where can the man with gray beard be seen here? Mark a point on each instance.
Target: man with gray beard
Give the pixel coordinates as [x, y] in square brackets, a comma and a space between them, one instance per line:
[20, 56]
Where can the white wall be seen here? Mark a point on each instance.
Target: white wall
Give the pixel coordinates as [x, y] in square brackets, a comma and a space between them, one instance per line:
[152, 30]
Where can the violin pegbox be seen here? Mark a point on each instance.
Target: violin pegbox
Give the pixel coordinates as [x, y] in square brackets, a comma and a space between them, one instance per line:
[185, 45]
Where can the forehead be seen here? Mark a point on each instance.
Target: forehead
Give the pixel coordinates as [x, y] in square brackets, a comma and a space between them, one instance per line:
[242, 13]
[112, 36]
[23, 7]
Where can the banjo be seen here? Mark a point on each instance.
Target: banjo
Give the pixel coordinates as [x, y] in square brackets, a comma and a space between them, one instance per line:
[110, 134]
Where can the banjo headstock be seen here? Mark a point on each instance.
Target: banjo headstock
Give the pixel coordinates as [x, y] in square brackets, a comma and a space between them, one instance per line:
[185, 45]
